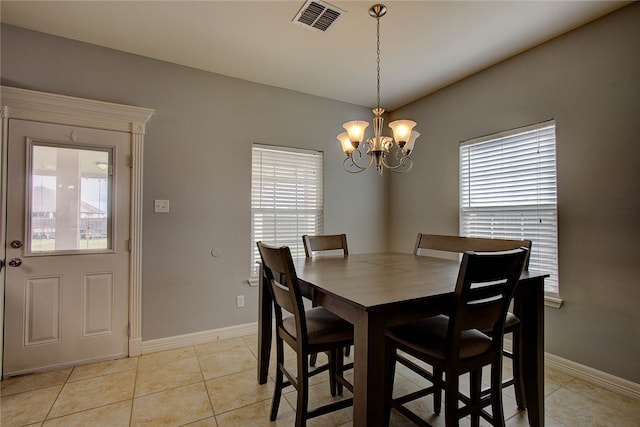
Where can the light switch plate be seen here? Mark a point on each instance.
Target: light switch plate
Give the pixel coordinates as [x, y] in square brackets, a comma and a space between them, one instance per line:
[161, 206]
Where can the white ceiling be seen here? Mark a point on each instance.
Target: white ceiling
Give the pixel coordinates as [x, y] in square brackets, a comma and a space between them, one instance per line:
[425, 45]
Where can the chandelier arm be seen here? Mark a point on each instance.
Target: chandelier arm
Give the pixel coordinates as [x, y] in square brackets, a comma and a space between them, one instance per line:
[406, 167]
[352, 167]
[361, 156]
[401, 157]
[350, 162]
[405, 162]
[410, 165]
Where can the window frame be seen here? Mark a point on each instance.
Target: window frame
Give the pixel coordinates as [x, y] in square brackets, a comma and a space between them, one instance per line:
[108, 176]
[289, 168]
[508, 185]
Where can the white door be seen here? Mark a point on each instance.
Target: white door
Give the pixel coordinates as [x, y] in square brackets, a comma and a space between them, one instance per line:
[67, 259]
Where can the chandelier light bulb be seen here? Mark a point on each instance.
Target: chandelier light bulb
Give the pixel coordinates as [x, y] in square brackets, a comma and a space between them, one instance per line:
[408, 147]
[347, 146]
[355, 129]
[402, 131]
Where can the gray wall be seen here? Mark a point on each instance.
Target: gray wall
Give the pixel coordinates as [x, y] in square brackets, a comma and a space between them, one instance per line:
[198, 156]
[589, 81]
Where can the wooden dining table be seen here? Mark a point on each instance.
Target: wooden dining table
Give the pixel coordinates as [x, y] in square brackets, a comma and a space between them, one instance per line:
[379, 290]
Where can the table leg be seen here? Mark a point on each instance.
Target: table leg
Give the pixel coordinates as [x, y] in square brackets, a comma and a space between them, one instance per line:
[264, 328]
[533, 351]
[368, 399]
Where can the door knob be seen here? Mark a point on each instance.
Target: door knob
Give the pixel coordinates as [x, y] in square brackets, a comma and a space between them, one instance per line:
[15, 262]
[16, 244]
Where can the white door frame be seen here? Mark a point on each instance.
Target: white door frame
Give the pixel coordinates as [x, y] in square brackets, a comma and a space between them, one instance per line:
[59, 109]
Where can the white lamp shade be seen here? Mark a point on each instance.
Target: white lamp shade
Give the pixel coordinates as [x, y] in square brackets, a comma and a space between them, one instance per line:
[402, 130]
[408, 147]
[347, 147]
[355, 129]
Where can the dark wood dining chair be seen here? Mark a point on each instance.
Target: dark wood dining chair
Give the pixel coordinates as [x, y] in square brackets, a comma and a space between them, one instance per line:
[325, 242]
[512, 325]
[306, 332]
[453, 343]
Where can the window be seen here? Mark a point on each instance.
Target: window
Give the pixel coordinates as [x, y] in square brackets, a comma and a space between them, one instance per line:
[508, 190]
[286, 198]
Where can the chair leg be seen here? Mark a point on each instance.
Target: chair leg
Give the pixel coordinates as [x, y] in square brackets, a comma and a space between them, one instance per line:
[347, 350]
[340, 369]
[475, 391]
[336, 367]
[517, 369]
[277, 391]
[302, 406]
[314, 356]
[389, 375]
[496, 392]
[451, 390]
[437, 394]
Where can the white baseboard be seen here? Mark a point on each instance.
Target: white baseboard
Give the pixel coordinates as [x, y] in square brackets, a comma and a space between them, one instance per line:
[135, 347]
[602, 379]
[196, 338]
[71, 364]
[592, 376]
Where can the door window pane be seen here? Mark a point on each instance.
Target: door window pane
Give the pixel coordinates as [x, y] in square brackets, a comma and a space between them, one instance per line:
[69, 199]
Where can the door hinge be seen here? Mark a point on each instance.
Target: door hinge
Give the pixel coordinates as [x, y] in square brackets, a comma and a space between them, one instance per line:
[129, 245]
[130, 161]
[129, 329]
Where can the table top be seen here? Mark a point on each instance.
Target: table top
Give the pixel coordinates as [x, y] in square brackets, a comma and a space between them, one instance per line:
[380, 279]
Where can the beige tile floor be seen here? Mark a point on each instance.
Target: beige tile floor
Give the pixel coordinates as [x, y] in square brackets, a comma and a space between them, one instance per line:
[215, 384]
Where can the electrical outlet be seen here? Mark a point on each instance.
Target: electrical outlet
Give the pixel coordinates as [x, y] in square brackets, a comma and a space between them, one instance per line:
[161, 206]
[240, 301]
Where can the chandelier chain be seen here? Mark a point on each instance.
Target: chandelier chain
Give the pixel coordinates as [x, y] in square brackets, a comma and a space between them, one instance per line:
[378, 58]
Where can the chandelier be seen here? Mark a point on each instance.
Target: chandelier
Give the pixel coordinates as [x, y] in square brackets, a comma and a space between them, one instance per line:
[378, 147]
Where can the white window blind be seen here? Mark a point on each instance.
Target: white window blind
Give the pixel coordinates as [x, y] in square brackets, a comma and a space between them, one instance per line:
[508, 190]
[286, 198]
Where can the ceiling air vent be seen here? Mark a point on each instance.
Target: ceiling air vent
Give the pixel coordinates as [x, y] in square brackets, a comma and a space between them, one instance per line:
[317, 15]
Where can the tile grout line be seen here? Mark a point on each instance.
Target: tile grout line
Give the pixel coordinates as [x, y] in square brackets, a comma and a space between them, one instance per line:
[133, 397]
[204, 383]
[66, 380]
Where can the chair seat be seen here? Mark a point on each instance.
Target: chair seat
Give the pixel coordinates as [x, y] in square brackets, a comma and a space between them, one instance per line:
[511, 320]
[323, 327]
[428, 336]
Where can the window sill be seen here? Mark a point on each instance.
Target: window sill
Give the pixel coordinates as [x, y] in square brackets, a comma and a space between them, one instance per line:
[253, 281]
[553, 301]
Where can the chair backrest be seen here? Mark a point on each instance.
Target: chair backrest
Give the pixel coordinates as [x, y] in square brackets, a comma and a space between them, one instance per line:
[325, 242]
[474, 244]
[486, 283]
[280, 273]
